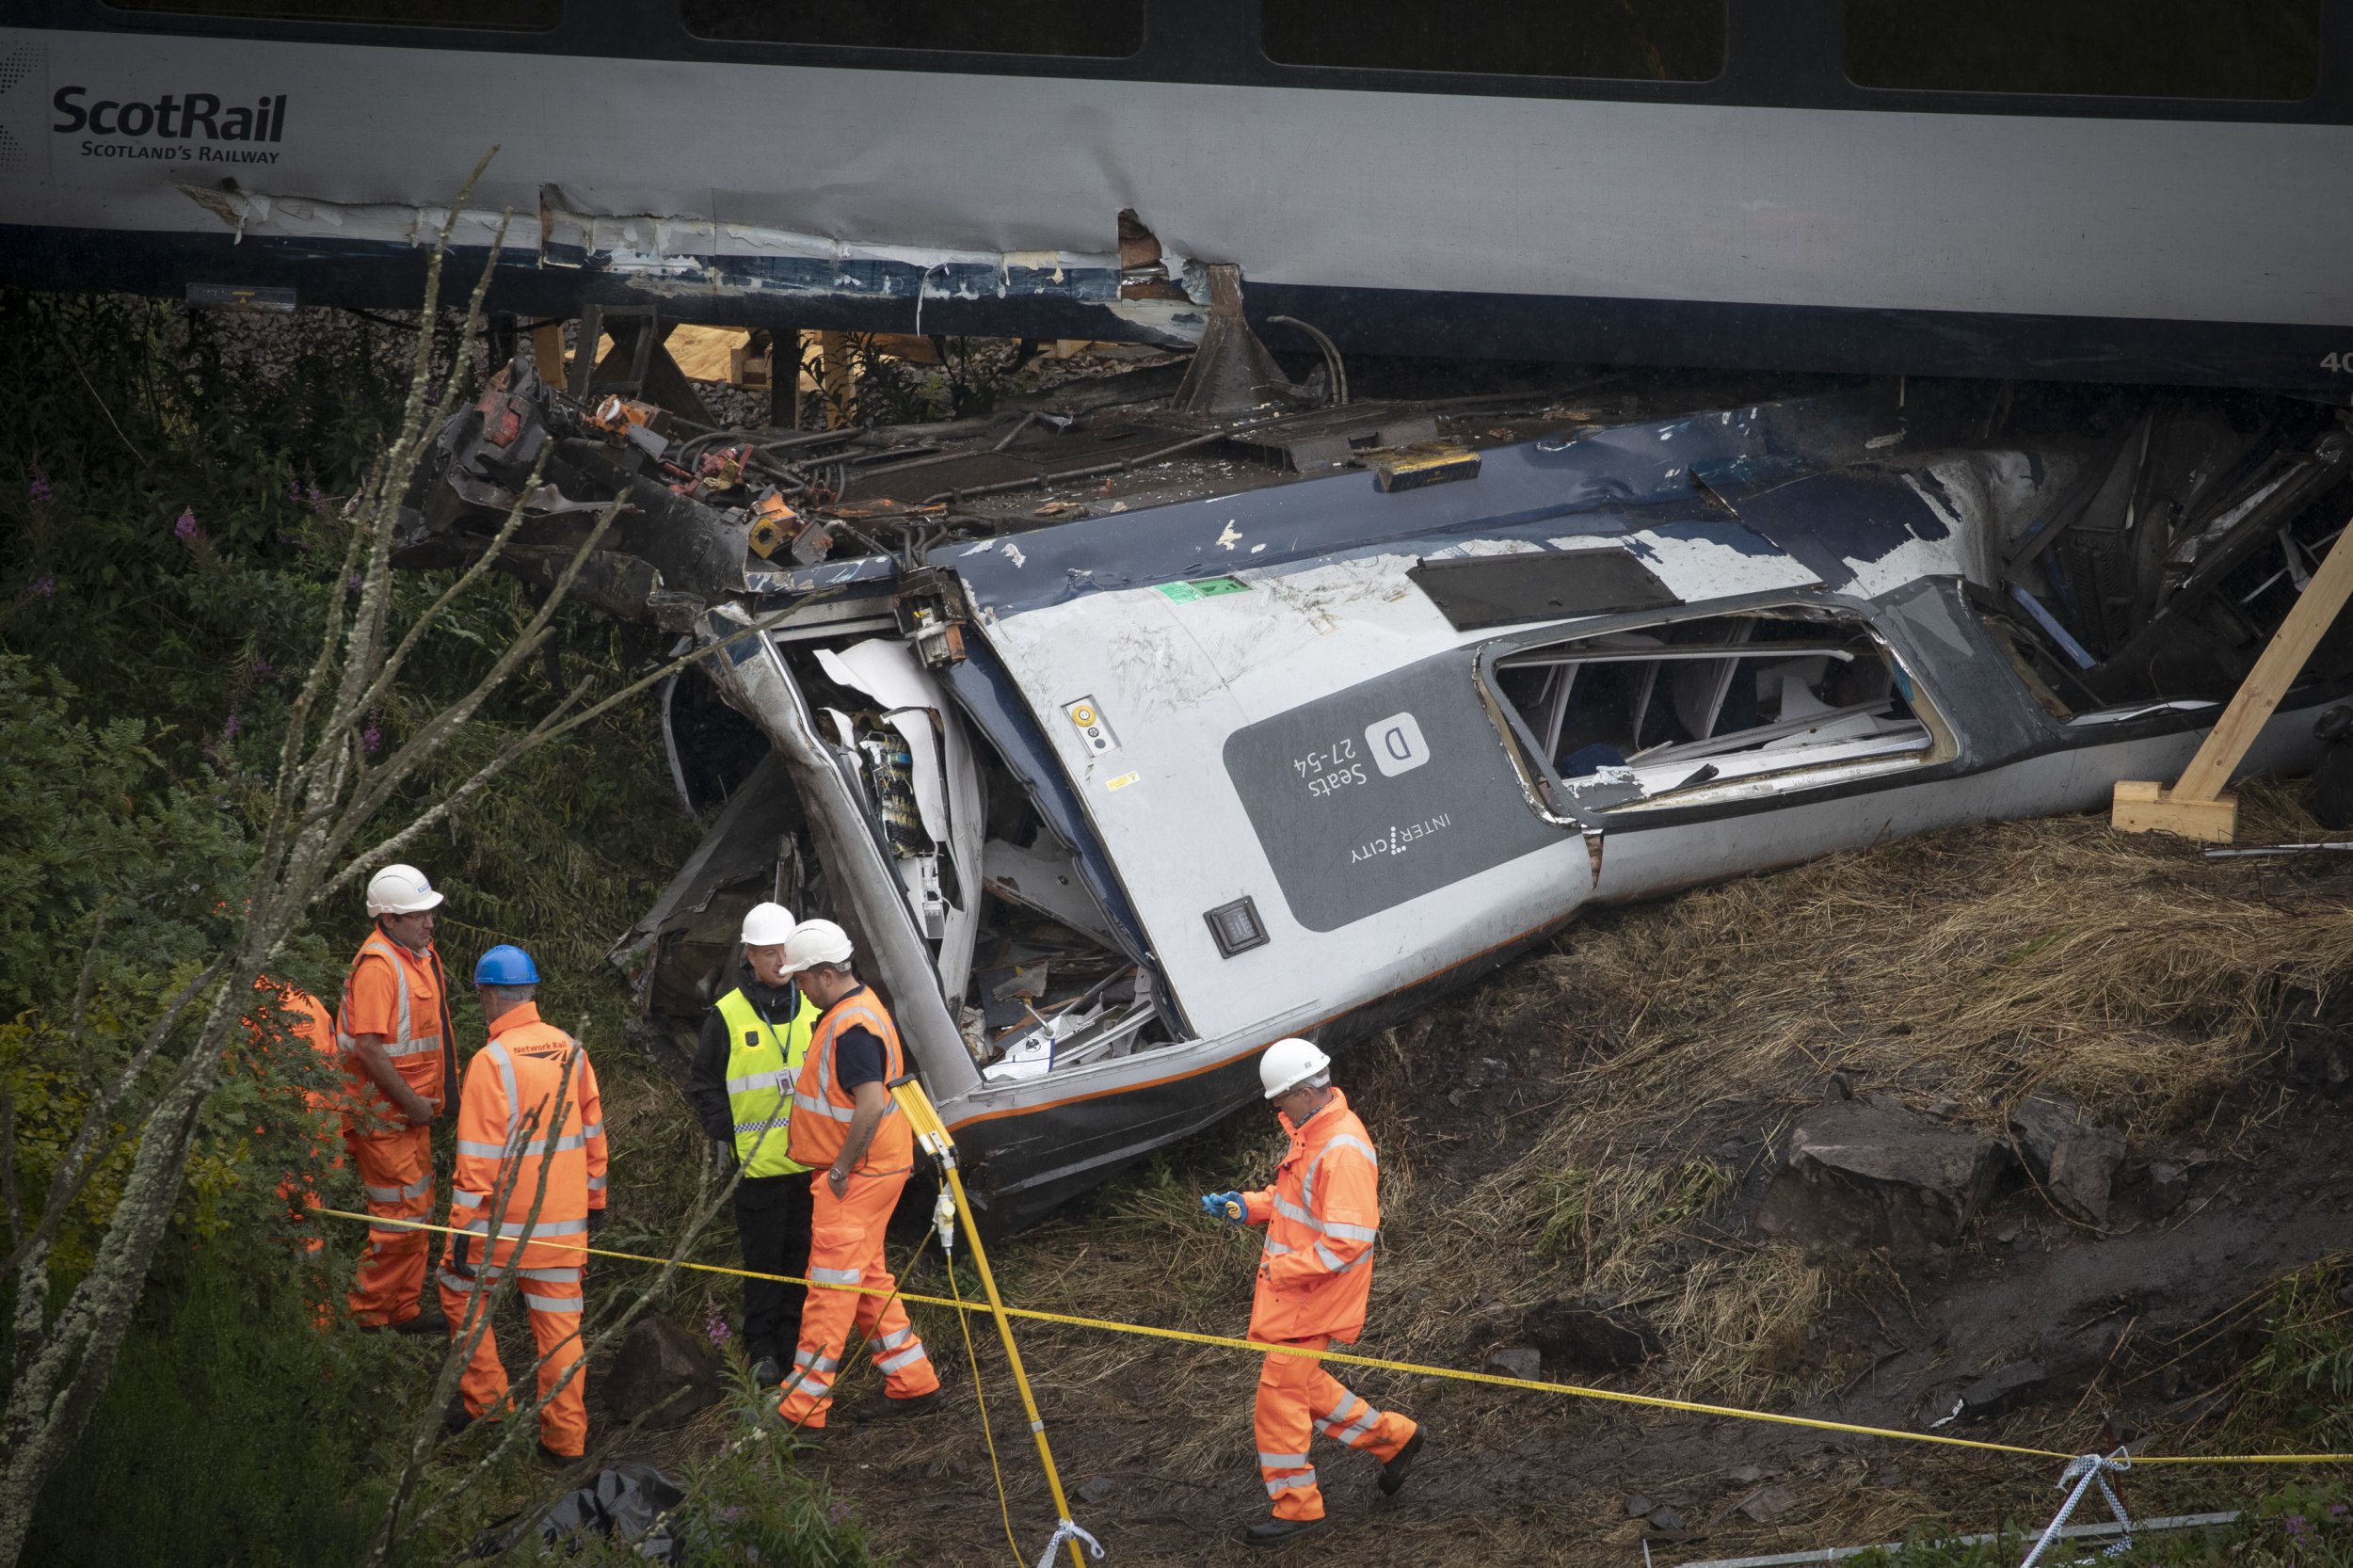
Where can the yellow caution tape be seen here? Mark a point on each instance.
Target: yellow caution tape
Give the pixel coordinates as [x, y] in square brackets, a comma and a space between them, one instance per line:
[1416, 1369]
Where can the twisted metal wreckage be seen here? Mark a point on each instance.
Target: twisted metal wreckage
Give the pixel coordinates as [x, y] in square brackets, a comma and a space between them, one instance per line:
[1111, 803]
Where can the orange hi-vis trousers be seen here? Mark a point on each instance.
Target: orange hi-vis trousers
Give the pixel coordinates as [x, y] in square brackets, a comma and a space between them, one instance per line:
[396, 1173]
[552, 1298]
[846, 1247]
[1297, 1397]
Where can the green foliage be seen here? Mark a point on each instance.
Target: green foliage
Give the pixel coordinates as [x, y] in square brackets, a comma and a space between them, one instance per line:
[234, 1431]
[2299, 1383]
[146, 665]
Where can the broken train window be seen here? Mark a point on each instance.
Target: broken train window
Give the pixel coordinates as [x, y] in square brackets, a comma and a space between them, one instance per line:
[1653, 40]
[1717, 708]
[1029, 964]
[1086, 29]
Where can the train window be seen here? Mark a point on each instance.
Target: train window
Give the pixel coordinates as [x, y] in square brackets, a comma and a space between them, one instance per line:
[522, 16]
[1655, 40]
[1098, 28]
[2248, 49]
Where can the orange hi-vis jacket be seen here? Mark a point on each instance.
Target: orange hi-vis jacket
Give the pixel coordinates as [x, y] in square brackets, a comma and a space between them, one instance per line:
[519, 1072]
[822, 1109]
[1322, 1217]
[393, 992]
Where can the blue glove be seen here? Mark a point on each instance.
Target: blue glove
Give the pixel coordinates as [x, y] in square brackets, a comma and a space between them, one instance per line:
[1227, 1207]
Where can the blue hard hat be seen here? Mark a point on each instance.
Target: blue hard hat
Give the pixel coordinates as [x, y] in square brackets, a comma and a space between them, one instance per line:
[505, 965]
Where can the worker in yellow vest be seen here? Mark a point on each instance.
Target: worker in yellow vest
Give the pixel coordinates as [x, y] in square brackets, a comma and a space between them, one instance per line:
[849, 1131]
[741, 1087]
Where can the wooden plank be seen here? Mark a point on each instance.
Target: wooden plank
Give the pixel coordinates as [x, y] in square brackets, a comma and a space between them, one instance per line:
[2142, 807]
[2259, 694]
[547, 352]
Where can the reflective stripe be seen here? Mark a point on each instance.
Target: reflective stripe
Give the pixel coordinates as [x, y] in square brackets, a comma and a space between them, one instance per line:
[453, 1282]
[417, 1188]
[464, 1199]
[1340, 1411]
[1276, 1249]
[404, 1040]
[837, 1276]
[551, 1304]
[1277, 1485]
[1356, 1429]
[907, 1357]
[553, 1277]
[824, 1108]
[487, 1151]
[596, 1184]
[759, 1081]
[1340, 1231]
[594, 1130]
[1281, 1462]
[892, 1340]
[573, 1140]
[814, 1362]
[545, 1227]
[1331, 1261]
[1297, 1215]
[774, 1124]
[498, 1059]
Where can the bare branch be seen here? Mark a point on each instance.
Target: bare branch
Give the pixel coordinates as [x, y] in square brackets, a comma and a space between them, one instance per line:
[466, 579]
[539, 735]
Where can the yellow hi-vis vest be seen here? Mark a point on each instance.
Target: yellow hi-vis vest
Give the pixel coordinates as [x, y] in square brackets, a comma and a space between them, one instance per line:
[761, 1069]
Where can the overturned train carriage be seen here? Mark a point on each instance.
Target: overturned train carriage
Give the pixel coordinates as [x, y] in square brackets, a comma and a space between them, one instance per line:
[1111, 804]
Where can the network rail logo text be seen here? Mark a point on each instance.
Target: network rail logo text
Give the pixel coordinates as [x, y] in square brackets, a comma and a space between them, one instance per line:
[186, 127]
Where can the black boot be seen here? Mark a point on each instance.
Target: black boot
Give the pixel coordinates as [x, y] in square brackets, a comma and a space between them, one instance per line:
[881, 1407]
[1393, 1473]
[1278, 1532]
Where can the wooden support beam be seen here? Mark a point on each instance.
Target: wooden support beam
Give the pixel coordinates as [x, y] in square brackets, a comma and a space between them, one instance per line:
[2196, 807]
[547, 352]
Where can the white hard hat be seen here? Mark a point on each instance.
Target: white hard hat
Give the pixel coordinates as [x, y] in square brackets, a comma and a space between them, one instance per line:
[400, 890]
[766, 924]
[815, 942]
[1288, 1063]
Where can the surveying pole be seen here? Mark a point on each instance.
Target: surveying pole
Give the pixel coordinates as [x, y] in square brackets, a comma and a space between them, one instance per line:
[923, 1120]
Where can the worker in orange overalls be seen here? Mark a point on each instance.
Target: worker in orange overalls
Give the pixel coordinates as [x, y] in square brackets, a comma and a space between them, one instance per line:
[307, 1023]
[510, 1132]
[847, 1130]
[393, 1029]
[1315, 1275]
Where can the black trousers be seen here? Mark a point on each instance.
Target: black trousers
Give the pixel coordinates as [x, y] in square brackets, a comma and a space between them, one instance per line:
[772, 1223]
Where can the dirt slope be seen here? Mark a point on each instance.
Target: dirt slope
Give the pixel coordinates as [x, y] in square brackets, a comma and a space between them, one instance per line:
[1598, 1126]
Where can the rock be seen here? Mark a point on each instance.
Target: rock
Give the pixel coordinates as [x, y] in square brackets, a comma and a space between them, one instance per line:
[2003, 1389]
[1636, 1505]
[1590, 1338]
[2166, 1189]
[1767, 1503]
[1891, 1476]
[1864, 1174]
[1666, 1519]
[659, 1356]
[1746, 1475]
[1524, 1362]
[1094, 1491]
[2074, 1158]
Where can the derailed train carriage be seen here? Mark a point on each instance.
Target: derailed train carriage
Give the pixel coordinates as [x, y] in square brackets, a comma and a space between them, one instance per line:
[1110, 804]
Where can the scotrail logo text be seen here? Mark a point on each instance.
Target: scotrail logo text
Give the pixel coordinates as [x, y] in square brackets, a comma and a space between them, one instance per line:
[191, 127]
